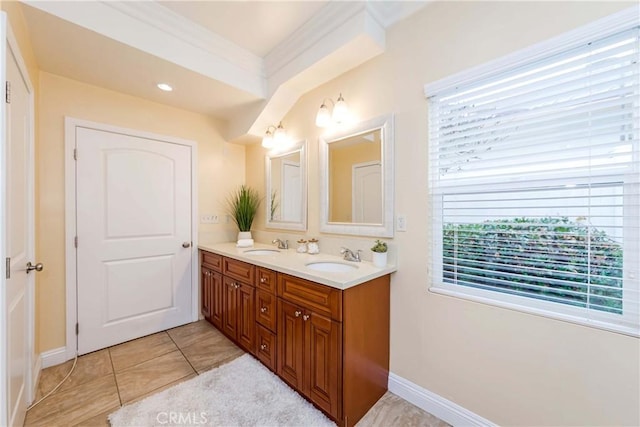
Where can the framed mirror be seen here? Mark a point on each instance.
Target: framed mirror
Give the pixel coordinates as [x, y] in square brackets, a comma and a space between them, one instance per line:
[286, 188]
[357, 180]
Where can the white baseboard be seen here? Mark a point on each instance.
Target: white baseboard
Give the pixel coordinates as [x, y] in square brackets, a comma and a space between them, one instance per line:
[437, 405]
[54, 357]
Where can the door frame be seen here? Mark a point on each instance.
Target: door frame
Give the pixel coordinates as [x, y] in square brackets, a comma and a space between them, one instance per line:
[71, 282]
[33, 361]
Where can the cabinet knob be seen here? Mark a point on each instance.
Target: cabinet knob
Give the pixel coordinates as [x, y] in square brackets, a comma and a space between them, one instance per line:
[297, 313]
[264, 280]
[305, 317]
[235, 285]
[263, 346]
[263, 309]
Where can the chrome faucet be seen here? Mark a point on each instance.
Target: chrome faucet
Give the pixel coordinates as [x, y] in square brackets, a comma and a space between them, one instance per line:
[349, 255]
[281, 244]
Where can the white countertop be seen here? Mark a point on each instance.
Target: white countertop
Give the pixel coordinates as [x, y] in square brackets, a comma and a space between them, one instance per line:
[290, 262]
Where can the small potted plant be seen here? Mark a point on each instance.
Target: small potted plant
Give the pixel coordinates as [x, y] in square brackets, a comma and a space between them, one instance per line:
[379, 250]
[243, 205]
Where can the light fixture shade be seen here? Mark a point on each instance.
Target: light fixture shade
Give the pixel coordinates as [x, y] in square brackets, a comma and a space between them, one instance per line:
[280, 137]
[323, 118]
[340, 111]
[267, 141]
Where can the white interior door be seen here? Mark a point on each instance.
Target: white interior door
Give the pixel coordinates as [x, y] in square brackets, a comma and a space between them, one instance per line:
[16, 302]
[367, 193]
[291, 192]
[134, 259]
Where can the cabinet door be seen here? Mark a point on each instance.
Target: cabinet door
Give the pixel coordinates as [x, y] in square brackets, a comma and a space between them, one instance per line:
[290, 344]
[230, 305]
[206, 291]
[266, 347]
[322, 361]
[217, 299]
[246, 317]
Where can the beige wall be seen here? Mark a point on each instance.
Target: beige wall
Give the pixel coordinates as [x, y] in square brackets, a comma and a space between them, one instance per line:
[509, 367]
[220, 168]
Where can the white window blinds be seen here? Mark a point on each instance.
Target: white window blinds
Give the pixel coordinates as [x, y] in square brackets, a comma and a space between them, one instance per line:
[535, 180]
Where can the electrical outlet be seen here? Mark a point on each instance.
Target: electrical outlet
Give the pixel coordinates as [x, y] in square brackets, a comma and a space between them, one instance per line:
[209, 219]
[401, 223]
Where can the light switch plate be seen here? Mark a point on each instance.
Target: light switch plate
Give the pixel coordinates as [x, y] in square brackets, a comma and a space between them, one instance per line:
[401, 223]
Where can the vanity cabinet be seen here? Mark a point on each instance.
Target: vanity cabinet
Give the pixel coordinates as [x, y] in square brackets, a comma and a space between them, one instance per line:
[266, 319]
[330, 345]
[211, 288]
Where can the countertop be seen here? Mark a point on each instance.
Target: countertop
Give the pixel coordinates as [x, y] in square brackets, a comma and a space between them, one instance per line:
[290, 262]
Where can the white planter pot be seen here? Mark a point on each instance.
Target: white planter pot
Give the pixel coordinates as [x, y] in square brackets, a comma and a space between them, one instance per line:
[380, 259]
[245, 239]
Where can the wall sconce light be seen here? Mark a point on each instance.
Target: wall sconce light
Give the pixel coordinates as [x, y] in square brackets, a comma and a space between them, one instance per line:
[340, 113]
[275, 137]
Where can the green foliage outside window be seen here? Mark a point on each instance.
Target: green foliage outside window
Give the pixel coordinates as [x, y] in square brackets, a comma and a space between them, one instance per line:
[549, 258]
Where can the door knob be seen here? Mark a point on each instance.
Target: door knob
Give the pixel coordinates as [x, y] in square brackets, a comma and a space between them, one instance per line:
[186, 245]
[37, 267]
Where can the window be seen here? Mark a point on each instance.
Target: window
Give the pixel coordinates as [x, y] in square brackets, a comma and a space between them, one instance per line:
[535, 178]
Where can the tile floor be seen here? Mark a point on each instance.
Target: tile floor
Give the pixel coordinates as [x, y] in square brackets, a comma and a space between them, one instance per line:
[107, 379]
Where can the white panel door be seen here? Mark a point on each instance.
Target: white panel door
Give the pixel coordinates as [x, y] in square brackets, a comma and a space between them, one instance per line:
[291, 192]
[16, 313]
[134, 235]
[367, 193]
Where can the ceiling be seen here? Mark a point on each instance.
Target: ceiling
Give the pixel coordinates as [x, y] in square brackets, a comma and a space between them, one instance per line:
[245, 62]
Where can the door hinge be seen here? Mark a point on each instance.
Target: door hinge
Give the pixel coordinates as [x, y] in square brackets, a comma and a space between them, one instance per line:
[75, 241]
[8, 268]
[7, 92]
[75, 154]
[77, 328]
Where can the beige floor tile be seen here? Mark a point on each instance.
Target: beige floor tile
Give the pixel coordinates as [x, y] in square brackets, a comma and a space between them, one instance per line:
[76, 404]
[164, 387]
[211, 352]
[191, 333]
[392, 410]
[152, 374]
[89, 367]
[100, 420]
[137, 351]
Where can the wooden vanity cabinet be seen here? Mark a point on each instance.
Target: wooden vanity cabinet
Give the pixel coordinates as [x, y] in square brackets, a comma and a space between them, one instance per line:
[333, 345]
[211, 288]
[238, 296]
[266, 319]
[330, 345]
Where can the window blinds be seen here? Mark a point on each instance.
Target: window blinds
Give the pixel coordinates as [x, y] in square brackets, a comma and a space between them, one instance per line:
[535, 177]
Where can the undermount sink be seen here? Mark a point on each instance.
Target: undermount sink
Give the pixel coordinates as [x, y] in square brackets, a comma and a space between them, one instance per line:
[261, 252]
[331, 267]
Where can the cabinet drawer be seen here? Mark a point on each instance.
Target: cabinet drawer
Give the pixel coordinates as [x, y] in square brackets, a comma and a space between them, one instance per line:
[313, 296]
[212, 261]
[266, 280]
[238, 270]
[266, 347]
[266, 309]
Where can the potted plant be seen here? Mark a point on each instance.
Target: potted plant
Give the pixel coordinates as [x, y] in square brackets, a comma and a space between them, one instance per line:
[243, 205]
[379, 250]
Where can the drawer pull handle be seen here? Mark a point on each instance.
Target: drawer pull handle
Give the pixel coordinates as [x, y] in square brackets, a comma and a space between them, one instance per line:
[263, 346]
[264, 280]
[263, 309]
[297, 313]
[305, 317]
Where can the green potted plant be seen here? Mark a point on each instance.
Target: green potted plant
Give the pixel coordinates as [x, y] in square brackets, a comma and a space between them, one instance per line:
[379, 250]
[243, 205]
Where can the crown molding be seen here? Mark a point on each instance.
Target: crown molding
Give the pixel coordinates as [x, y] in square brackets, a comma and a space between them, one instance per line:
[388, 13]
[154, 29]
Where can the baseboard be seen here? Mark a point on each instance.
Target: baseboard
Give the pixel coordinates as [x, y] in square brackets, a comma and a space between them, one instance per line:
[54, 357]
[437, 405]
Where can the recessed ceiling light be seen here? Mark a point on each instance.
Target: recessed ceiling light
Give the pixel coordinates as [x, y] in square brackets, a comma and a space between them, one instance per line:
[165, 87]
